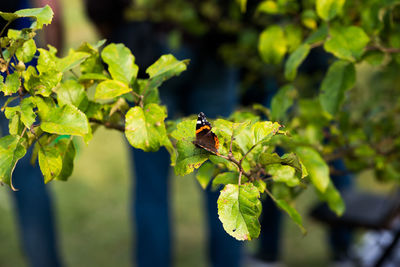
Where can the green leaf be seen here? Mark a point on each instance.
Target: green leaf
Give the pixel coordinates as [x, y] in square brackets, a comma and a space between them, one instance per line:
[242, 4]
[347, 42]
[121, 63]
[11, 85]
[268, 7]
[72, 60]
[264, 130]
[93, 76]
[260, 184]
[185, 130]
[27, 51]
[317, 168]
[283, 174]
[15, 125]
[341, 77]
[28, 116]
[374, 58]
[11, 150]
[294, 36]
[281, 102]
[328, 9]
[272, 45]
[50, 162]
[65, 120]
[189, 157]
[72, 92]
[42, 15]
[66, 149]
[205, 174]
[111, 88]
[319, 35]
[292, 212]
[225, 178]
[166, 67]
[44, 105]
[239, 208]
[8, 16]
[294, 61]
[309, 19]
[267, 159]
[333, 198]
[145, 128]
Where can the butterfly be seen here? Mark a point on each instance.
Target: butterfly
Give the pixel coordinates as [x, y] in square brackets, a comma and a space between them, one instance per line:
[205, 138]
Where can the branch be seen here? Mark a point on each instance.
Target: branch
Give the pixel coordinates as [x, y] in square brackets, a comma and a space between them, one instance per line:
[108, 124]
[390, 50]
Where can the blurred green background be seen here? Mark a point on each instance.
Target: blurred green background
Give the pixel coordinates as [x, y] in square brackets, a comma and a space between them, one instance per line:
[92, 209]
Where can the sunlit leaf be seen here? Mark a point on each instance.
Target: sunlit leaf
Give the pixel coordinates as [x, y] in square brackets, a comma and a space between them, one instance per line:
[121, 63]
[11, 150]
[272, 45]
[145, 128]
[239, 208]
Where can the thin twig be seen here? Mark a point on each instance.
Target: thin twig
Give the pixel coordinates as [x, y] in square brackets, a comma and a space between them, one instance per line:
[240, 178]
[384, 49]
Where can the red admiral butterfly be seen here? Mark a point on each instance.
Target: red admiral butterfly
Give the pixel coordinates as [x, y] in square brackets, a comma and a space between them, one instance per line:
[205, 138]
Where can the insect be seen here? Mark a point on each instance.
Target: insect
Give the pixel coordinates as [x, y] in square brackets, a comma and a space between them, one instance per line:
[205, 138]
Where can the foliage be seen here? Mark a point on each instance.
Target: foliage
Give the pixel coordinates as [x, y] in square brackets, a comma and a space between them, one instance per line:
[60, 99]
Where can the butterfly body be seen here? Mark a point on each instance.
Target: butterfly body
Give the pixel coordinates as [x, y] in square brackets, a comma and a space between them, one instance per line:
[205, 138]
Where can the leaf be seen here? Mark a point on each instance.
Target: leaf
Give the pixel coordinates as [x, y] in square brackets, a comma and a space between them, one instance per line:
[166, 67]
[185, 130]
[260, 184]
[121, 63]
[294, 61]
[317, 168]
[292, 212]
[65, 120]
[28, 116]
[73, 59]
[272, 45]
[309, 19]
[189, 157]
[268, 7]
[319, 35]
[225, 178]
[50, 162]
[205, 174]
[11, 150]
[27, 51]
[42, 15]
[66, 149]
[145, 128]
[11, 85]
[328, 9]
[283, 174]
[263, 131]
[73, 93]
[110, 88]
[242, 4]
[267, 159]
[239, 208]
[281, 102]
[347, 42]
[294, 36]
[333, 198]
[92, 76]
[341, 77]
[15, 125]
